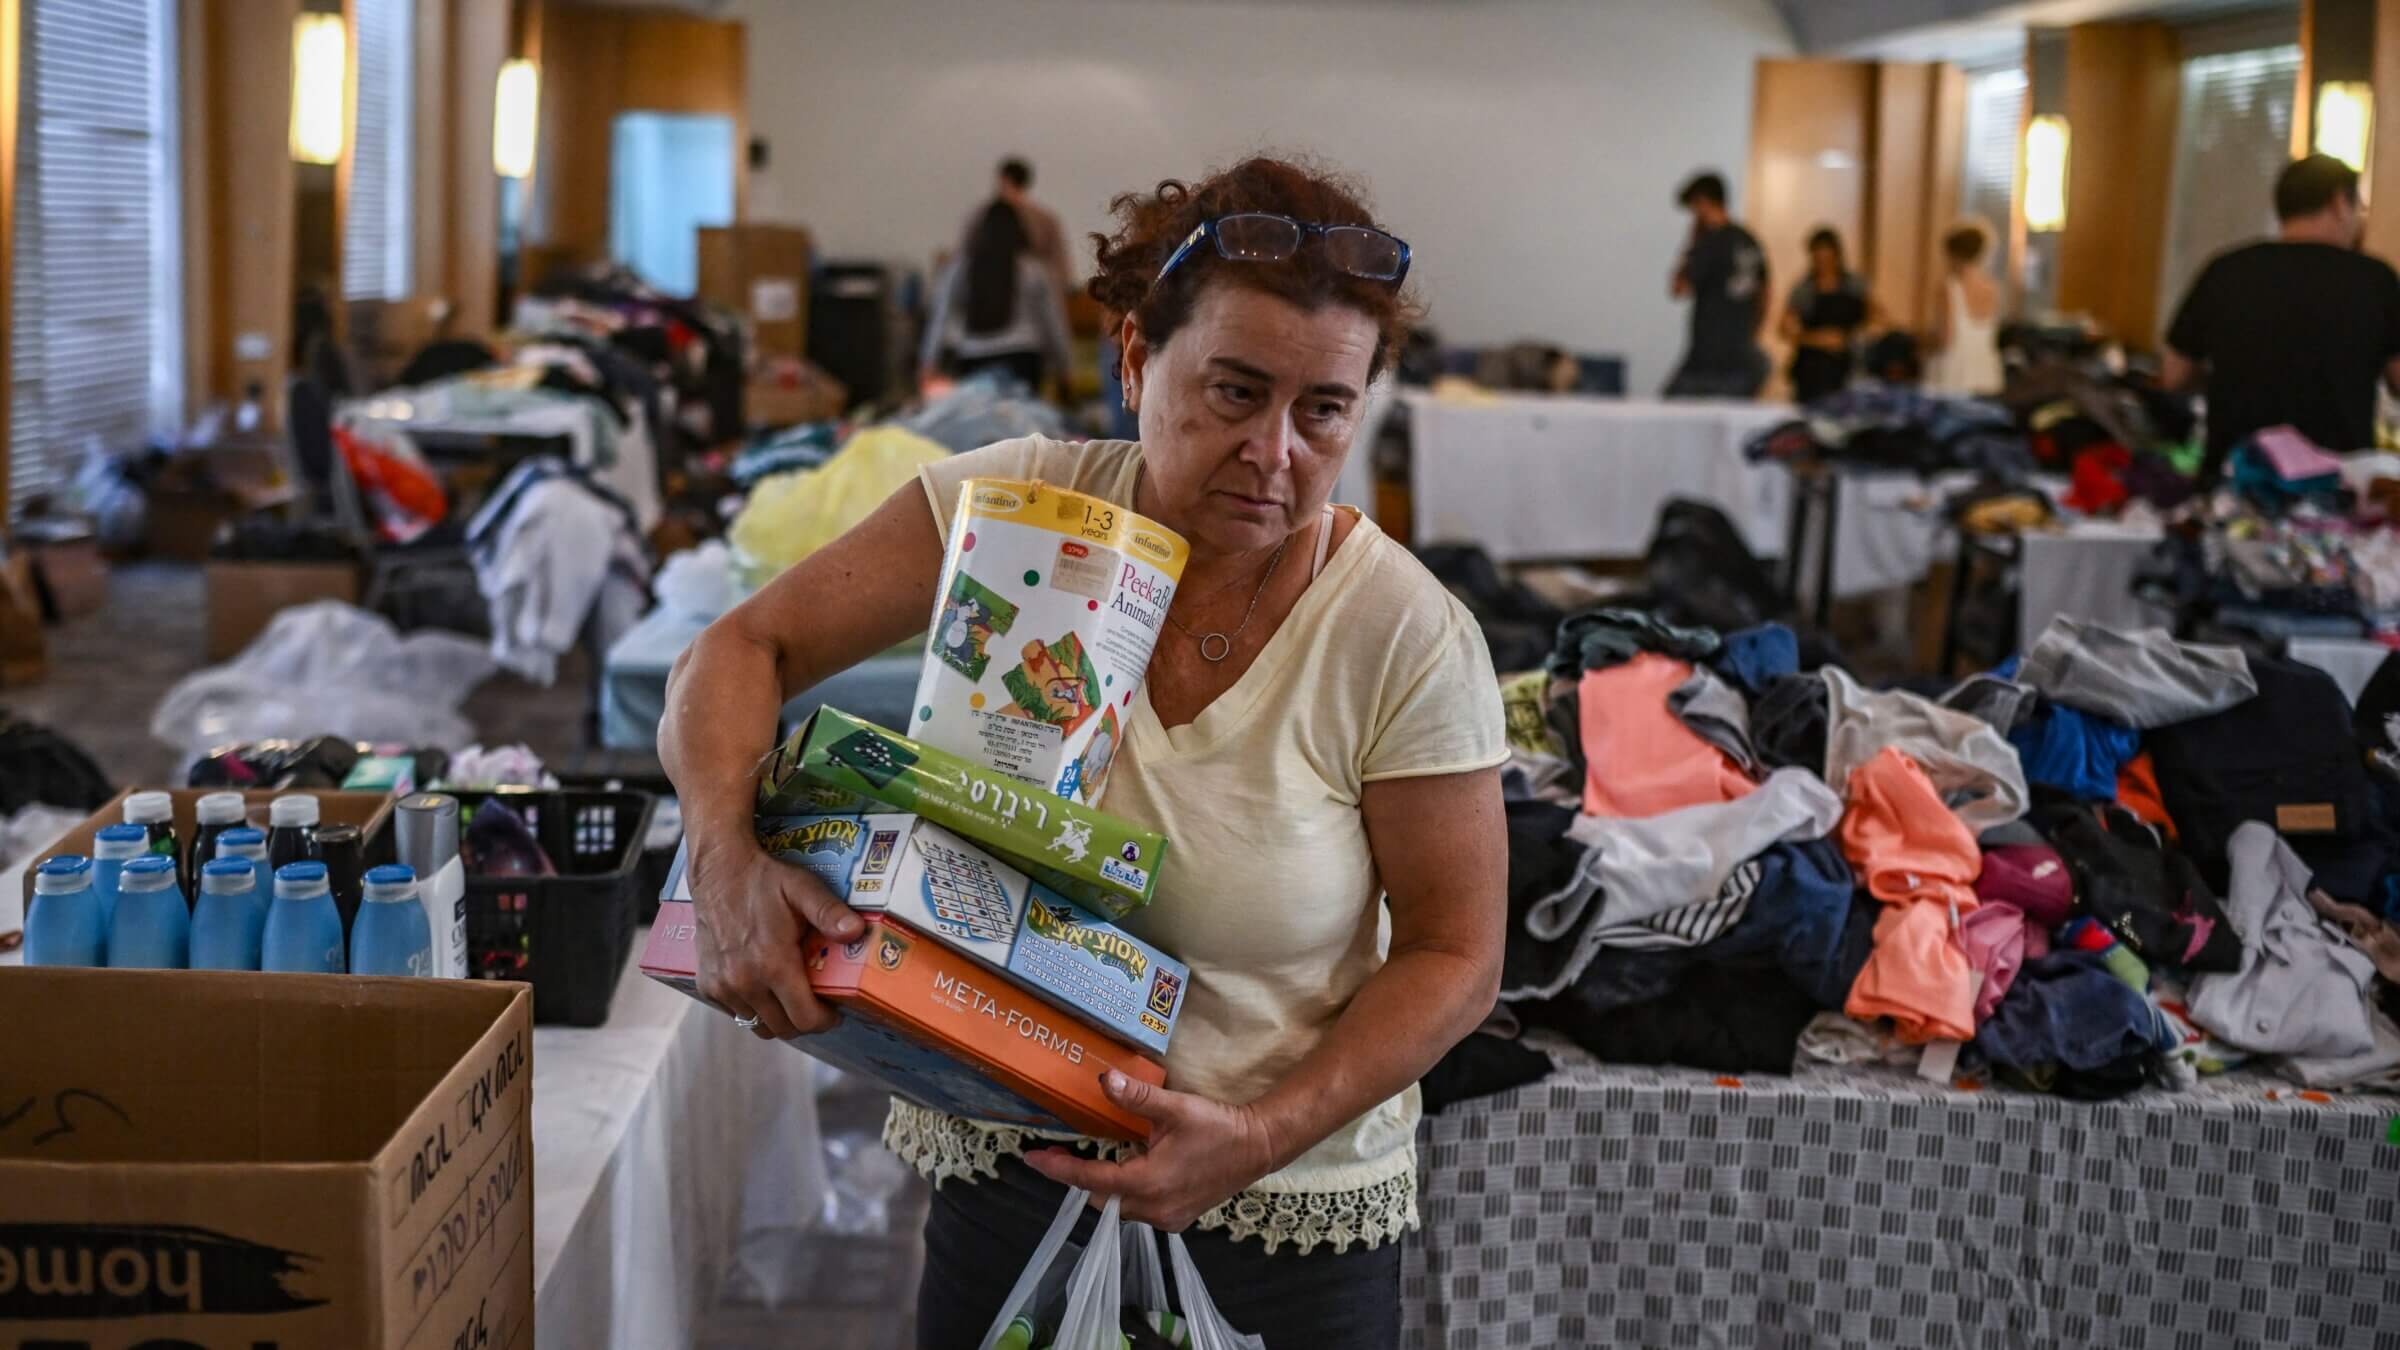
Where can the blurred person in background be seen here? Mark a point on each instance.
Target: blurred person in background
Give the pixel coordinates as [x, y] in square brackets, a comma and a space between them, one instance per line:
[1012, 183]
[1965, 342]
[1822, 319]
[2294, 330]
[997, 306]
[1724, 274]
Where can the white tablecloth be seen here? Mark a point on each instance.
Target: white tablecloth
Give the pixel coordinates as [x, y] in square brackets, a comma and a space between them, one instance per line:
[2350, 661]
[2086, 573]
[1552, 477]
[658, 1139]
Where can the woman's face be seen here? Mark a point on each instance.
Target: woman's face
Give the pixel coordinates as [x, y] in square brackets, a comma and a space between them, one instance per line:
[1247, 414]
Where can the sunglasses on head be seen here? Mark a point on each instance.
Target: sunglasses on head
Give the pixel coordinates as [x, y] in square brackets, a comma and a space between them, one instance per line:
[1256, 236]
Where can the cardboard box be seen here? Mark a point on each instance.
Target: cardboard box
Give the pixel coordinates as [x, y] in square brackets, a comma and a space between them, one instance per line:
[935, 1027]
[68, 572]
[788, 391]
[760, 271]
[244, 597]
[218, 1161]
[366, 810]
[203, 487]
[943, 886]
[24, 651]
[836, 763]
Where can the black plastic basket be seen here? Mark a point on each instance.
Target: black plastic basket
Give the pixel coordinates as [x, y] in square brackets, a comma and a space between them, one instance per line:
[617, 770]
[568, 935]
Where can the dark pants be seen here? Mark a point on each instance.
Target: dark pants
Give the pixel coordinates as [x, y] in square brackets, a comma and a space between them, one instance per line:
[1737, 379]
[980, 1233]
[1026, 366]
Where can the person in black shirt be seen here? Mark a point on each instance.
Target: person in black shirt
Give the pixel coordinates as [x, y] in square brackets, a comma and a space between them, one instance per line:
[2293, 330]
[1724, 274]
[1823, 318]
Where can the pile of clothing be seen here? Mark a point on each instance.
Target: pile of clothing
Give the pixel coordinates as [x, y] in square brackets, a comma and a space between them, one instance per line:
[1873, 425]
[2117, 859]
[696, 348]
[2300, 545]
[558, 555]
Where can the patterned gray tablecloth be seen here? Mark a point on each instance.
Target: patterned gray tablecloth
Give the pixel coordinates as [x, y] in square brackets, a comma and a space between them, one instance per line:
[1615, 1206]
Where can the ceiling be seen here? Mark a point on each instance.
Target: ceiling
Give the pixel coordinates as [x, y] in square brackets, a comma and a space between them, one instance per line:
[1970, 31]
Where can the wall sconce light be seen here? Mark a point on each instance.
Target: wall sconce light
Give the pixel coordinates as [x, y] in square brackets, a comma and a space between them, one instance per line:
[2346, 121]
[2046, 173]
[516, 106]
[320, 74]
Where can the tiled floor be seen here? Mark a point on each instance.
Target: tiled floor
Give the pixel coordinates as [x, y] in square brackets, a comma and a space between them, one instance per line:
[107, 672]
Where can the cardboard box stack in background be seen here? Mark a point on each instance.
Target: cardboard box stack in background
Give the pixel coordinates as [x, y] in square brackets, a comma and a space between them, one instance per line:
[244, 597]
[204, 486]
[215, 1159]
[68, 572]
[761, 272]
[24, 651]
[787, 390]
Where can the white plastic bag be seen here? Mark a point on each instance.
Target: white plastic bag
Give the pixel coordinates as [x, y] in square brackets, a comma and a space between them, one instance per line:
[329, 669]
[699, 581]
[1118, 1268]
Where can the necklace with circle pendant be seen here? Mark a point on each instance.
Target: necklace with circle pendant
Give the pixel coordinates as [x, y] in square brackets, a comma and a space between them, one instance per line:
[1216, 646]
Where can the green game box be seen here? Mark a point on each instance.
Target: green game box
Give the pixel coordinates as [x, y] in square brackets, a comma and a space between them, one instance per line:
[838, 763]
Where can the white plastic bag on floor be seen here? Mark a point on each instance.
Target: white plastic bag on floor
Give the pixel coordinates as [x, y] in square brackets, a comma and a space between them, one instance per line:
[329, 669]
[1117, 1269]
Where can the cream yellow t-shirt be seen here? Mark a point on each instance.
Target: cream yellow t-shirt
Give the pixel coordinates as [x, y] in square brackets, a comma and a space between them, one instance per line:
[1269, 891]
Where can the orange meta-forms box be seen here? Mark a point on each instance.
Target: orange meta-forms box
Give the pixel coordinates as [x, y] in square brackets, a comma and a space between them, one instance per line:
[936, 1027]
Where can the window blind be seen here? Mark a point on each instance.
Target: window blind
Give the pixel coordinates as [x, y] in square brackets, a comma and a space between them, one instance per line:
[2233, 134]
[84, 322]
[1988, 171]
[376, 231]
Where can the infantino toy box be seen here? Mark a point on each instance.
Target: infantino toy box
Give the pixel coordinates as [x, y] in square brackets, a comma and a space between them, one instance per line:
[1050, 604]
[836, 764]
[941, 885]
[933, 1026]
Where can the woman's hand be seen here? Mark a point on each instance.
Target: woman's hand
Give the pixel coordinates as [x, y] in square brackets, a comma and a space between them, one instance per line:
[753, 914]
[1201, 1154]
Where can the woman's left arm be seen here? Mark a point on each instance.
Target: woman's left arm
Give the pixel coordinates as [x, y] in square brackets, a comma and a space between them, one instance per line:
[1441, 848]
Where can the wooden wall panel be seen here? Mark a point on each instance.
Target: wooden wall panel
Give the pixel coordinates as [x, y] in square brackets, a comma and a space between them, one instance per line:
[471, 240]
[2383, 227]
[430, 147]
[612, 61]
[1945, 170]
[2122, 88]
[1888, 257]
[1811, 144]
[238, 197]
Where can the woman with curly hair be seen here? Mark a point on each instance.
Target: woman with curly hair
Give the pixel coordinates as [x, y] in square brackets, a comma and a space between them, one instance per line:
[1319, 736]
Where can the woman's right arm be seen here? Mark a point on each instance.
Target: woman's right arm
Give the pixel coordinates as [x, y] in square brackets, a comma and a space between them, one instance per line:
[859, 595]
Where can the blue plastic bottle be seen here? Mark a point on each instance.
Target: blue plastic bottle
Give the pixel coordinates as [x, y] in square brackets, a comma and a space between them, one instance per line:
[112, 848]
[64, 928]
[304, 930]
[228, 923]
[248, 841]
[391, 935]
[152, 929]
